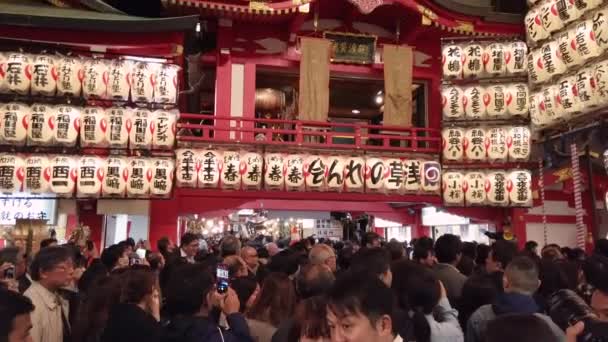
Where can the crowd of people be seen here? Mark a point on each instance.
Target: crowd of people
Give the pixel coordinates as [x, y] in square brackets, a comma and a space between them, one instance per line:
[309, 290]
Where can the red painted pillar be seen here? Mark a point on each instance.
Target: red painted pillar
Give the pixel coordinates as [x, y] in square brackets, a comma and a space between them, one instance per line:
[249, 99]
[163, 219]
[223, 80]
[518, 225]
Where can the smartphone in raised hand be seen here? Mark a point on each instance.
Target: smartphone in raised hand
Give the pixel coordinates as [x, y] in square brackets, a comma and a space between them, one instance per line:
[223, 279]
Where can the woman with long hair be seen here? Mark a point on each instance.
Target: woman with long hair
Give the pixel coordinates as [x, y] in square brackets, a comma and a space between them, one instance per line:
[310, 322]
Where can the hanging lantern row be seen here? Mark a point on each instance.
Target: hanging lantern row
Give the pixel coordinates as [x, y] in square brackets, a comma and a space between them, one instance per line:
[477, 60]
[62, 125]
[246, 170]
[487, 188]
[499, 144]
[86, 176]
[478, 102]
[92, 78]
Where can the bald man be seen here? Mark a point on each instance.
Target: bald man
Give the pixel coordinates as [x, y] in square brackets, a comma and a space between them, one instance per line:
[322, 254]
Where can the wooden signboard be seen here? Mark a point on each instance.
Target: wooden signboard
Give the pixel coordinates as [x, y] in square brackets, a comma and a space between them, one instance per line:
[352, 48]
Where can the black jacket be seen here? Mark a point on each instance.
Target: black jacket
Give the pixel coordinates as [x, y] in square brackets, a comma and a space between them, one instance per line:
[129, 323]
[197, 329]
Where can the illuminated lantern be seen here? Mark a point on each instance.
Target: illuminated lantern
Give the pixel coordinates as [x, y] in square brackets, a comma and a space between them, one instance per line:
[519, 187]
[550, 16]
[497, 107]
[473, 188]
[452, 58]
[517, 96]
[496, 188]
[587, 46]
[452, 100]
[537, 120]
[119, 125]
[37, 174]
[395, 175]
[142, 126]
[515, 57]
[70, 74]
[252, 175]
[294, 172]
[588, 93]
[66, 125]
[552, 60]
[314, 172]
[162, 177]
[494, 59]
[475, 144]
[567, 45]
[212, 163]
[519, 143]
[452, 141]
[164, 129]
[537, 73]
[14, 123]
[335, 173]
[535, 31]
[95, 82]
[600, 74]
[119, 82]
[232, 171]
[431, 176]
[374, 174]
[497, 148]
[93, 127]
[413, 176]
[274, 171]
[353, 174]
[166, 86]
[473, 64]
[590, 4]
[64, 173]
[452, 188]
[91, 174]
[139, 177]
[188, 166]
[569, 11]
[116, 177]
[40, 130]
[559, 112]
[18, 73]
[568, 96]
[12, 169]
[44, 75]
[143, 77]
[475, 102]
[547, 106]
[600, 27]
[3, 68]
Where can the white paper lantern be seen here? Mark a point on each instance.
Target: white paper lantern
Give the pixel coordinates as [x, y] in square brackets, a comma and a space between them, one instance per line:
[315, 171]
[95, 82]
[93, 127]
[188, 165]
[64, 173]
[212, 163]
[274, 171]
[587, 46]
[294, 174]
[232, 171]
[588, 93]
[568, 96]
[91, 175]
[600, 74]
[41, 127]
[496, 188]
[116, 176]
[452, 100]
[519, 186]
[70, 74]
[66, 125]
[538, 121]
[335, 173]
[37, 174]
[519, 143]
[119, 125]
[353, 174]
[553, 63]
[600, 27]
[590, 4]
[473, 188]
[494, 59]
[550, 16]
[143, 77]
[567, 45]
[375, 172]
[475, 102]
[497, 107]
[452, 188]
[547, 105]
[559, 112]
[142, 126]
[44, 75]
[140, 177]
[473, 63]
[475, 144]
[119, 79]
[515, 57]
[497, 148]
[164, 128]
[537, 73]
[3, 68]
[569, 11]
[18, 73]
[166, 86]
[14, 124]
[431, 176]
[12, 173]
[452, 143]
[451, 59]
[254, 164]
[535, 31]
[412, 181]
[517, 96]
[395, 171]
[162, 177]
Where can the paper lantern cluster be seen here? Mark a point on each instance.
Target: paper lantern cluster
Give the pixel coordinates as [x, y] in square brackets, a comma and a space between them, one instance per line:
[250, 170]
[487, 188]
[485, 102]
[87, 176]
[92, 78]
[115, 127]
[479, 144]
[484, 59]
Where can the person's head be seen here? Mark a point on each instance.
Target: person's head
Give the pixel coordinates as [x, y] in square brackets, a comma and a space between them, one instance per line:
[375, 261]
[521, 276]
[247, 289]
[276, 300]
[165, 246]
[599, 304]
[483, 251]
[115, 257]
[521, 328]
[104, 293]
[361, 308]
[230, 245]
[345, 256]
[140, 287]
[156, 260]
[314, 280]
[322, 254]
[469, 249]
[552, 252]
[310, 322]
[272, 248]
[448, 249]
[501, 254]
[130, 242]
[595, 269]
[424, 253]
[531, 247]
[88, 250]
[15, 256]
[479, 290]
[250, 256]
[371, 240]
[53, 267]
[286, 261]
[423, 292]
[15, 321]
[552, 278]
[190, 244]
[48, 243]
[188, 290]
[91, 275]
[396, 249]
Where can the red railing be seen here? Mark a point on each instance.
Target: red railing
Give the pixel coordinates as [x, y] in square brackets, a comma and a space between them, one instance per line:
[308, 134]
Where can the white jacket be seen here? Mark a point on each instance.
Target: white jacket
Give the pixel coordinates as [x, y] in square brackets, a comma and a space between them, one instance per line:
[46, 318]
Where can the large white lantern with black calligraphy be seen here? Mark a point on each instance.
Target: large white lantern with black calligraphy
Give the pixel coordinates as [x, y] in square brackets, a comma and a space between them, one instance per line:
[3, 67]
[600, 27]
[139, 177]
[37, 174]
[497, 106]
[568, 96]
[534, 25]
[44, 75]
[335, 173]
[494, 59]
[517, 95]
[472, 65]
[66, 125]
[412, 180]
[452, 101]
[64, 173]
[143, 77]
[93, 128]
[451, 59]
[353, 174]
[550, 16]
[254, 164]
[91, 174]
[119, 82]
[452, 188]
[70, 74]
[452, 142]
[41, 127]
[165, 88]
[395, 175]
[314, 172]
[552, 61]
[519, 143]
[274, 171]
[14, 124]
[164, 128]
[547, 105]
[600, 74]
[569, 11]
[515, 57]
[116, 177]
[568, 48]
[431, 176]
[375, 172]
[497, 148]
[232, 171]
[473, 188]
[12, 173]
[142, 126]
[587, 46]
[294, 172]
[119, 125]
[95, 82]
[496, 188]
[188, 165]
[475, 101]
[475, 144]
[212, 163]
[538, 121]
[519, 186]
[588, 93]
[18, 73]
[162, 177]
[537, 73]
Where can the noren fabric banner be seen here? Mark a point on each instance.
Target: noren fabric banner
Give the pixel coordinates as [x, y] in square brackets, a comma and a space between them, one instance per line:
[398, 68]
[314, 79]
